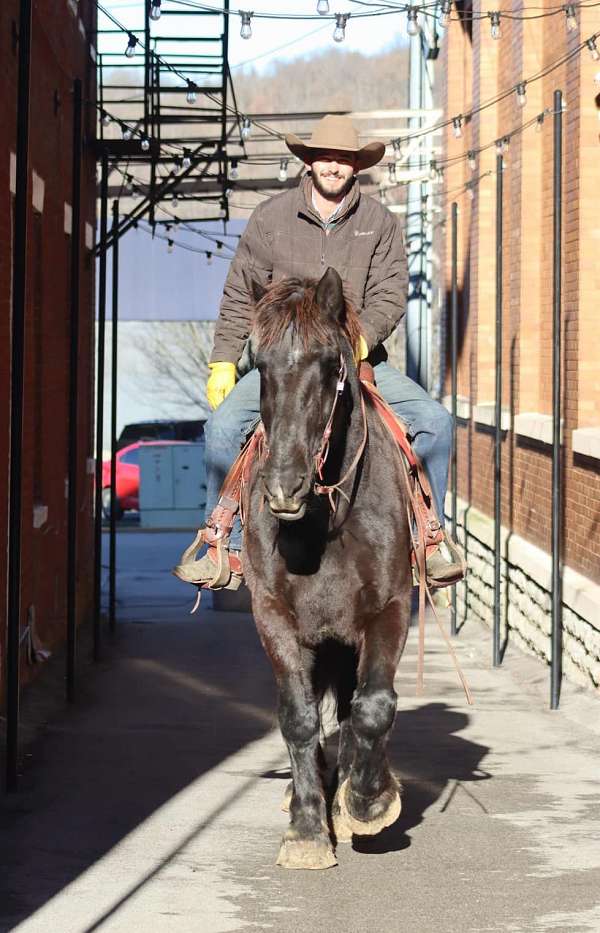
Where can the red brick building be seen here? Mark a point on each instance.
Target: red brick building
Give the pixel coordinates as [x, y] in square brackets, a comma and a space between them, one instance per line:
[61, 50]
[475, 68]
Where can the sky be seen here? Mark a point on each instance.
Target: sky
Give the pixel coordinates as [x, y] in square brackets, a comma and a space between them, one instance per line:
[275, 39]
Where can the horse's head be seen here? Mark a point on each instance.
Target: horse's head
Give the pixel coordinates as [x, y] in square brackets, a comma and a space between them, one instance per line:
[305, 332]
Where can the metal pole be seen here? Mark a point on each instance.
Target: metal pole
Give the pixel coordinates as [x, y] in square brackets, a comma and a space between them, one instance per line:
[16, 398]
[113, 422]
[454, 352]
[556, 662]
[73, 396]
[498, 418]
[100, 404]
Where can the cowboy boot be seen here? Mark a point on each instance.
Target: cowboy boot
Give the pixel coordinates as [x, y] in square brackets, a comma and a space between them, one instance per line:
[445, 566]
[218, 569]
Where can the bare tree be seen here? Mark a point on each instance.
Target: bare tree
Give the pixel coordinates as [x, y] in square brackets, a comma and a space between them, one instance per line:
[172, 362]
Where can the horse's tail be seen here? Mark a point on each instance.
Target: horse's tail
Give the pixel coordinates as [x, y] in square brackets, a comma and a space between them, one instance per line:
[335, 672]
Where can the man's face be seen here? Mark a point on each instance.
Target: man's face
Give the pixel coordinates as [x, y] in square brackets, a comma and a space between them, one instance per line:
[333, 173]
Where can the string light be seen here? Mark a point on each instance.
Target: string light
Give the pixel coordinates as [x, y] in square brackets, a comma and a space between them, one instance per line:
[392, 173]
[234, 171]
[383, 195]
[412, 25]
[470, 191]
[339, 33]
[495, 30]
[192, 92]
[170, 246]
[128, 184]
[433, 170]
[246, 29]
[591, 44]
[521, 94]
[209, 259]
[502, 145]
[246, 128]
[106, 118]
[219, 246]
[571, 17]
[445, 13]
[457, 127]
[228, 192]
[186, 162]
[539, 123]
[126, 131]
[472, 160]
[283, 172]
[175, 201]
[131, 44]
[323, 7]
[155, 10]
[145, 144]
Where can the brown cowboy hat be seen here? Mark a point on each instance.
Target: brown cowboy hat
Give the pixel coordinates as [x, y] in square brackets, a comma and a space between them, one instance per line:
[337, 134]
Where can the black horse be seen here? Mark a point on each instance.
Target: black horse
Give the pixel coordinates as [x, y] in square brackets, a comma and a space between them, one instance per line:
[327, 566]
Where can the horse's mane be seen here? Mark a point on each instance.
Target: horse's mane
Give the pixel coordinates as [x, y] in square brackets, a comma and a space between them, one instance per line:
[292, 303]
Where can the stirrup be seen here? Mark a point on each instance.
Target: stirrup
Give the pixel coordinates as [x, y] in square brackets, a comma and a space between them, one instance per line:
[225, 577]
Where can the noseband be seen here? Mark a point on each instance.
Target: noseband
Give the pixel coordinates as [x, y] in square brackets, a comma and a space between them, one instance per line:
[323, 451]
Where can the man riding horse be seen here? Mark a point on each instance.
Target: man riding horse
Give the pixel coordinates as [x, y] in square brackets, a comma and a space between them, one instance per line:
[324, 222]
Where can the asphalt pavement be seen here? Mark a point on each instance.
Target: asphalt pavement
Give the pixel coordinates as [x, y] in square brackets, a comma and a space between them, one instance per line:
[154, 803]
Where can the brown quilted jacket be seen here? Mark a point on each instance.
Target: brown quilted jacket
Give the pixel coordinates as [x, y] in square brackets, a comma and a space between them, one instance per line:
[285, 236]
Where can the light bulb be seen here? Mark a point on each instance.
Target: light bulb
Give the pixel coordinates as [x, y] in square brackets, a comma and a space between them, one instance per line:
[128, 185]
[106, 118]
[470, 192]
[186, 162]
[392, 173]
[433, 171]
[499, 147]
[192, 92]
[126, 131]
[219, 246]
[496, 30]
[597, 77]
[571, 17]
[323, 7]
[521, 94]
[155, 10]
[145, 144]
[246, 29]
[539, 123]
[228, 192]
[131, 44]
[591, 44]
[170, 246]
[445, 13]
[472, 160]
[209, 259]
[412, 25]
[457, 127]
[283, 173]
[382, 195]
[246, 128]
[234, 172]
[174, 202]
[339, 33]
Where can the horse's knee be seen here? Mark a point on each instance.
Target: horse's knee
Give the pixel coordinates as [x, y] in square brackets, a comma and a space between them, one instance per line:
[298, 720]
[373, 712]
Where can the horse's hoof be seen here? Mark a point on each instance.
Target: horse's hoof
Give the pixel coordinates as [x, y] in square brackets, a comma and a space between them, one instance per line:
[306, 853]
[343, 832]
[287, 797]
[382, 812]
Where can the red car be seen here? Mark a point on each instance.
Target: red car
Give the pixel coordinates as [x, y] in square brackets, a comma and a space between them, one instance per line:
[128, 478]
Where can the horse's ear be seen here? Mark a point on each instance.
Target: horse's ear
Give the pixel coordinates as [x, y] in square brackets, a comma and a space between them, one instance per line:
[255, 289]
[329, 295]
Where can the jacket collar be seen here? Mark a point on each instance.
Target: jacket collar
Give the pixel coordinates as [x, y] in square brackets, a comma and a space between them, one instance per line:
[305, 205]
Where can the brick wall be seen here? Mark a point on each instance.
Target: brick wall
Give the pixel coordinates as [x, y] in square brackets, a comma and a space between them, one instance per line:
[491, 68]
[60, 53]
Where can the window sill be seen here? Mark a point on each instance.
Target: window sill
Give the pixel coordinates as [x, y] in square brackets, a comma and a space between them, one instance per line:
[537, 426]
[586, 441]
[485, 413]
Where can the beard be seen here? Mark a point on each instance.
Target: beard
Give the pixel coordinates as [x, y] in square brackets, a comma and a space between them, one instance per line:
[330, 195]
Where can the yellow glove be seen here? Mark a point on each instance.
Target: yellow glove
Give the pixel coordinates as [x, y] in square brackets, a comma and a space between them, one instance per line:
[220, 382]
[361, 350]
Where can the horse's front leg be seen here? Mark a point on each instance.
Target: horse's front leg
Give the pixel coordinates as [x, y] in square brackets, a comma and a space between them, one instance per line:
[369, 799]
[306, 843]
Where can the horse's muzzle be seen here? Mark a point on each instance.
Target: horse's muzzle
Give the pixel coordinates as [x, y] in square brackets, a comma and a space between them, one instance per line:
[287, 510]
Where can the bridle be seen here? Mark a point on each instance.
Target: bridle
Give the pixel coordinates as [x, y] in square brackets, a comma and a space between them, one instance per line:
[323, 450]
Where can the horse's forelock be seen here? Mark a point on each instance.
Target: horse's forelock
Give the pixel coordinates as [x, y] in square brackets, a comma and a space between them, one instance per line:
[292, 303]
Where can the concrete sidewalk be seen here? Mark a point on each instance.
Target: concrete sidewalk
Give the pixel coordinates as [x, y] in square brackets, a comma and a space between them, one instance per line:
[154, 804]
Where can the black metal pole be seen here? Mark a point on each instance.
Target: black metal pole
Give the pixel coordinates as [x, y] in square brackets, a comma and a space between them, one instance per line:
[19, 286]
[498, 418]
[112, 558]
[557, 634]
[73, 395]
[100, 404]
[454, 363]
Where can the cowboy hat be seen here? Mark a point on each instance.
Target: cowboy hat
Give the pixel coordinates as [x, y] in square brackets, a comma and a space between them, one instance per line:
[337, 134]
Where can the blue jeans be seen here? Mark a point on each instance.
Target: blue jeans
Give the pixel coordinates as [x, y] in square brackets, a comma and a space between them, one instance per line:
[428, 423]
